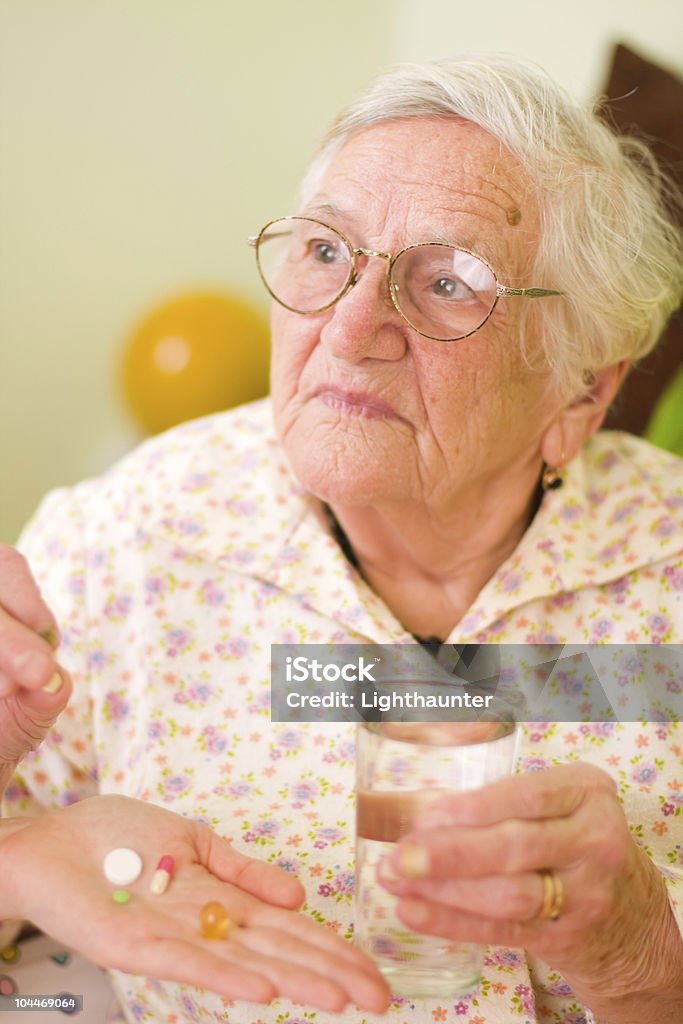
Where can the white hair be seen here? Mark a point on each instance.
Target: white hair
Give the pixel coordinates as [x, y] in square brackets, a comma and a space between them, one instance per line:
[609, 237]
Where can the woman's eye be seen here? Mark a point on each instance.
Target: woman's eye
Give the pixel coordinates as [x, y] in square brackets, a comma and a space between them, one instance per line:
[452, 288]
[326, 252]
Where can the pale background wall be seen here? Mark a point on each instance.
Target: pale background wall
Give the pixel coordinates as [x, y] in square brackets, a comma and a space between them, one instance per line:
[573, 41]
[141, 141]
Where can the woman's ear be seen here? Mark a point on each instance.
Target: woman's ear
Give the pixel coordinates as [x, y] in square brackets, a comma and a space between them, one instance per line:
[578, 420]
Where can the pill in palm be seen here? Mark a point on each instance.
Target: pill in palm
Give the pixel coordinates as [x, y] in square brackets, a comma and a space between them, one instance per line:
[214, 921]
[122, 866]
[162, 875]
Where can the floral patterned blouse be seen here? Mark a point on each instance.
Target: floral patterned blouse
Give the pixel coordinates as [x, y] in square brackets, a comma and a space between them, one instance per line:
[172, 574]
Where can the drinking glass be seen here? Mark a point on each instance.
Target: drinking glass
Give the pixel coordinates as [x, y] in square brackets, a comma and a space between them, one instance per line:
[400, 768]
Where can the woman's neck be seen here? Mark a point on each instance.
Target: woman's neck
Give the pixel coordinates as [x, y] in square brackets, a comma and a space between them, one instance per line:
[427, 569]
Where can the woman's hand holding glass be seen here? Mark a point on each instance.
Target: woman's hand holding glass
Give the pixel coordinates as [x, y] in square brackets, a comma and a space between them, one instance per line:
[474, 869]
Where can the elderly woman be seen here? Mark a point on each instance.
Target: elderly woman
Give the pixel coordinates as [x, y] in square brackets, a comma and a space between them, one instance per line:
[474, 264]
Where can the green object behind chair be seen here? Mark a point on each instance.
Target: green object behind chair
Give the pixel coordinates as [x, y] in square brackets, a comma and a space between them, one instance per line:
[665, 427]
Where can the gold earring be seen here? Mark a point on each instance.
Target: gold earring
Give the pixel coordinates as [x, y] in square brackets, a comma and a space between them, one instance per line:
[551, 477]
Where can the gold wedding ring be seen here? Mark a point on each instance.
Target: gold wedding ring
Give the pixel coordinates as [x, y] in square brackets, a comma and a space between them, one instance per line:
[553, 896]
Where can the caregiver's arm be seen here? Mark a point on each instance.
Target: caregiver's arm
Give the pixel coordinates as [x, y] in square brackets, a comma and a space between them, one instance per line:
[34, 688]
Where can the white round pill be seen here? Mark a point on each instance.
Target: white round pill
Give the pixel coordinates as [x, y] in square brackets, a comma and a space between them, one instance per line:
[122, 866]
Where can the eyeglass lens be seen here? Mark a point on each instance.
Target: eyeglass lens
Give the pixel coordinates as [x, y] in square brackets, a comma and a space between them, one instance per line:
[445, 293]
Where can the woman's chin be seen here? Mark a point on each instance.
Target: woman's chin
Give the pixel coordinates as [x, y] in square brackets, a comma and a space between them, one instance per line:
[346, 481]
[341, 460]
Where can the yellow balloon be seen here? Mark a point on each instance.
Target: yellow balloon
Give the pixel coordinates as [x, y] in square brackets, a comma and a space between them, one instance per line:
[195, 354]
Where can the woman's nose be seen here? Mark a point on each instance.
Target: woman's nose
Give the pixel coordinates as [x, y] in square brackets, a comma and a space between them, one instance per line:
[364, 322]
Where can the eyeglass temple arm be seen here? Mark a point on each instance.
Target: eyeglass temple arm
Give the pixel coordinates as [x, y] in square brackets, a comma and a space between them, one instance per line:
[531, 293]
[252, 240]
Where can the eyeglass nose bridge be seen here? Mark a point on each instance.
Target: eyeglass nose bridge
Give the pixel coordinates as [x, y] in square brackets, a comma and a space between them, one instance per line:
[372, 252]
[367, 252]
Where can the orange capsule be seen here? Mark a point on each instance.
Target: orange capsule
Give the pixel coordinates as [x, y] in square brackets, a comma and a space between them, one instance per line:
[214, 921]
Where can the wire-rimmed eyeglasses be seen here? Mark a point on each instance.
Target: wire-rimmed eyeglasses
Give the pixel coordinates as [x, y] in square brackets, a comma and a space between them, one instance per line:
[445, 293]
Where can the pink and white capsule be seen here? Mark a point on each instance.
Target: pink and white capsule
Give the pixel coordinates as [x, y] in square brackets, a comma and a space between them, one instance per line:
[162, 875]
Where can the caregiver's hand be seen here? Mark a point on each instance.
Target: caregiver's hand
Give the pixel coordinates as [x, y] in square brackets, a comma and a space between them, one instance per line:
[51, 874]
[481, 865]
[33, 687]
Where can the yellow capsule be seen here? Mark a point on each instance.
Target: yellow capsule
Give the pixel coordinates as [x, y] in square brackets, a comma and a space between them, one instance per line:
[214, 921]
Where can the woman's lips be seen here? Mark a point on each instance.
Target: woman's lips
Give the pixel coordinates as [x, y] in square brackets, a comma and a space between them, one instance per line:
[356, 403]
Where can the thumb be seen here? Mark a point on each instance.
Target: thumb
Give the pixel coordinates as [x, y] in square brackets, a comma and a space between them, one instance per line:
[263, 880]
[27, 715]
[43, 706]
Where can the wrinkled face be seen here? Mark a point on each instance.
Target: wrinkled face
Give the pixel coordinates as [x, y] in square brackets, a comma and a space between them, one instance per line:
[369, 410]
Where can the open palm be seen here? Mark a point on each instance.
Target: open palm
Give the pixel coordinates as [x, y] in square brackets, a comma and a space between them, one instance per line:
[270, 950]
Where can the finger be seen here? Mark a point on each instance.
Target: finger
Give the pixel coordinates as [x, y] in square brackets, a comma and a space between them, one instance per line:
[509, 847]
[259, 878]
[28, 715]
[435, 919]
[251, 912]
[545, 937]
[20, 595]
[295, 967]
[501, 898]
[177, 960]
[555, 792]
[311, 932]
[48, 702]
[26, 659]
